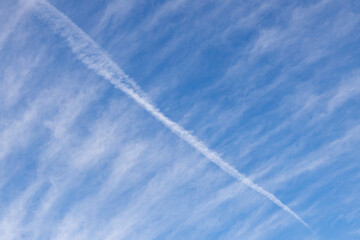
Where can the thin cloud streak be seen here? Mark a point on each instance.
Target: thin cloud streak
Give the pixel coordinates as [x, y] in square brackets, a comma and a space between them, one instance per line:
[93, 57]
[10, 25]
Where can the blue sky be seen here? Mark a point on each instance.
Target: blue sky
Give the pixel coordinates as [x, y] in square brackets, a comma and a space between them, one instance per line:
[179, 119]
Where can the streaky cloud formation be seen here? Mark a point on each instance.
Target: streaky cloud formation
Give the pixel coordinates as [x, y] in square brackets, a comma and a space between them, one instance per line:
[95, 58]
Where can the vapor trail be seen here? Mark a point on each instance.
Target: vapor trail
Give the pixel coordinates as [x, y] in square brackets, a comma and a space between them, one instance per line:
[95, 58]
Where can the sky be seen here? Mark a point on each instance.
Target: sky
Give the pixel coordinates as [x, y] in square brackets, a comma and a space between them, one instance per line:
[179, 119]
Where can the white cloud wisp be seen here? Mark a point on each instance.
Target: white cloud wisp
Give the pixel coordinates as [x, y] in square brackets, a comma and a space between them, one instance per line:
[95, 58]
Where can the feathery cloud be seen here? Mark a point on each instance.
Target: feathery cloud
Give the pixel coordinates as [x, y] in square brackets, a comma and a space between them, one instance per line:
[96, 59]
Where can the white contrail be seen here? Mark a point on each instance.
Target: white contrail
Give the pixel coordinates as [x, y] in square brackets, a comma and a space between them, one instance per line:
[95, 58]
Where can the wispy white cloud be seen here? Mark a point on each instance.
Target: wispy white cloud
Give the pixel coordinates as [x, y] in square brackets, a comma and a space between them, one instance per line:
[22, 7]
[348, 88]
[88, 162]
[96, 59]
[15, 213]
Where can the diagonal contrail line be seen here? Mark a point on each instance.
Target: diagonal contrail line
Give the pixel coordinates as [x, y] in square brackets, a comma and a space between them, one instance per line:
[95, 58]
